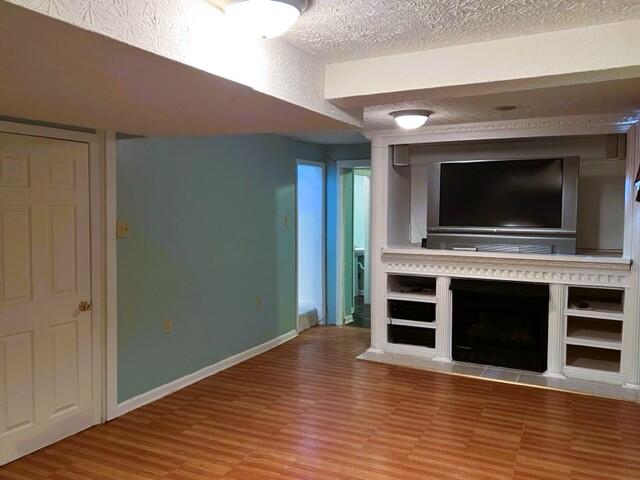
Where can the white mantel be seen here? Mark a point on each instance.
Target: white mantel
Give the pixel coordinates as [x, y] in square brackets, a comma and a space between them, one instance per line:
[558, 269]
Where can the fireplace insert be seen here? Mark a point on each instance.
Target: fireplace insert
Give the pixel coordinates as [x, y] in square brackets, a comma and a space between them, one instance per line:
[501, 323]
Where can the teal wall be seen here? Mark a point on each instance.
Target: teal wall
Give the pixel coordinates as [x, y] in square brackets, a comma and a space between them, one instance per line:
[208, 235]
[309, 151]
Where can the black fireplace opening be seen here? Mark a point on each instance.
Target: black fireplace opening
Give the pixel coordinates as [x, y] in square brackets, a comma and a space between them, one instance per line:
[500, 323]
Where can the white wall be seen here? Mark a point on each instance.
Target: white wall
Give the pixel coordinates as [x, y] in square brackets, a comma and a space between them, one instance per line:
[601, 205]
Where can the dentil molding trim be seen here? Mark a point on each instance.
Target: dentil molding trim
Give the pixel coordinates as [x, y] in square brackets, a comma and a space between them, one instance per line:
[562, 270]
[531, 127]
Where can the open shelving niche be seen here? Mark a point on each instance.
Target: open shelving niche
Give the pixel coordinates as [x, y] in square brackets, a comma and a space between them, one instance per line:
[594, 319]
[411, 310]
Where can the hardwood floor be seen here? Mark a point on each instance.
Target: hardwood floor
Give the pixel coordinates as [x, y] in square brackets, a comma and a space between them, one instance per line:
[309, 410]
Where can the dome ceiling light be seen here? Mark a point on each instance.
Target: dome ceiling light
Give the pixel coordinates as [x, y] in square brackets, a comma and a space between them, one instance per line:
[265, 18]
[411, 119]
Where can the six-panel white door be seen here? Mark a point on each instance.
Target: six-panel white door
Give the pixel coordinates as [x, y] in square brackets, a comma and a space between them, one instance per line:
[45, 340]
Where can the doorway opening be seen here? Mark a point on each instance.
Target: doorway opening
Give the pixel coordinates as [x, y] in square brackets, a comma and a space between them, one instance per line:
[354, 238]
[310, 194]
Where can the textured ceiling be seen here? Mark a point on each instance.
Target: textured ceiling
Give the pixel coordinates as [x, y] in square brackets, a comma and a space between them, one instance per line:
[338, 30]
[617, 96]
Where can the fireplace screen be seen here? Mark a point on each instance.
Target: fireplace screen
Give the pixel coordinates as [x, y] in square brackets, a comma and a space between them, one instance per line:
[501, 323]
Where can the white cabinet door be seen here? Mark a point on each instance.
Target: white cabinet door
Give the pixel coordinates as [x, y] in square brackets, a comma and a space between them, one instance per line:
[45, 338]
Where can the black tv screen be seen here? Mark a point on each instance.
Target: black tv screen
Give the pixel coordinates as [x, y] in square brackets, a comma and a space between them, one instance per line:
[512, 193]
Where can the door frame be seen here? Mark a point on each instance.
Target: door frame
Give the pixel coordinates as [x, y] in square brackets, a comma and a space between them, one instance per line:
[342, 165]
[299, 161]
[102, 196]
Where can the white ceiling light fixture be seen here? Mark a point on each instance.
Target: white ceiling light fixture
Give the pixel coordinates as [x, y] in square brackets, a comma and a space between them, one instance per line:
[265, 18]
[411, 119]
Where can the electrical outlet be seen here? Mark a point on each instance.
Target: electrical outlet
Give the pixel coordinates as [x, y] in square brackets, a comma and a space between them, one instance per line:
[167, 327]
[122, 230]
[259, 301]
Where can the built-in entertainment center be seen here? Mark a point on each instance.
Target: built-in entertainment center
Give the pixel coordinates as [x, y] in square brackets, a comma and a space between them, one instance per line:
[511, 244]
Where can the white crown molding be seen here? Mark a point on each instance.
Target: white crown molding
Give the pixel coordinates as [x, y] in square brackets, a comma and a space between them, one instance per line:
[531, 127]
[526, 268]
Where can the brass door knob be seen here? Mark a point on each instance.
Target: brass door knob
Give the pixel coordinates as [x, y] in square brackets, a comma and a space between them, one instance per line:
[85, 306]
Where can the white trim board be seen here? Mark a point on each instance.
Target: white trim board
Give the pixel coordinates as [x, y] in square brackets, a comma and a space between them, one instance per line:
[362, 163]
[111, 284]
[180, 383]
[503, 129]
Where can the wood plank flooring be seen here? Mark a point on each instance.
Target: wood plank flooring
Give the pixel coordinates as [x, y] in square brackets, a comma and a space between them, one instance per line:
[309, 410]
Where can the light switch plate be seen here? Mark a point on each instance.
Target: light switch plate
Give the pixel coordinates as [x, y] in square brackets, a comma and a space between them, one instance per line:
[122, 230]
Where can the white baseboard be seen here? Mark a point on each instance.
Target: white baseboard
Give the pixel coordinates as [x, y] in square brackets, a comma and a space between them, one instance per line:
[348, 319]
[180, 383]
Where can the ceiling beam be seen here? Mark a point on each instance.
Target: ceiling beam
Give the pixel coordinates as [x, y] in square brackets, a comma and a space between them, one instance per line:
[565, 57]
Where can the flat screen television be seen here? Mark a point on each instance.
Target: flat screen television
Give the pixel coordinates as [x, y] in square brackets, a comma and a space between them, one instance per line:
[503, 205]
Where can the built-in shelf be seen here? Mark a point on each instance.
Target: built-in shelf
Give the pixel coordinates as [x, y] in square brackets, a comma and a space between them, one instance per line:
[412, 323]
[411, 335]
[599, 314]
[413, 285]
[593, 358]
[412, 297]
[420, 312]
[594, 333]
[585, 342]
[596, 301]
[411, 309]
[593, 340]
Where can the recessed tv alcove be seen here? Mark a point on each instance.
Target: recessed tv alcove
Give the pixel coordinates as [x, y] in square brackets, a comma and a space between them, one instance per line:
[548, 195]
[522, 205]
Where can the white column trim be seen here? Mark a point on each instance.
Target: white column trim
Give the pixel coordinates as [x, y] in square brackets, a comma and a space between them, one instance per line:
[630, 361]
[555, 346]
[444, 323]
[379, 164]
[111, 266]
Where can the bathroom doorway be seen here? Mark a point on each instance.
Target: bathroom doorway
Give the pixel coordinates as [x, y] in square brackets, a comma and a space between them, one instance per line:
[354, 239]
